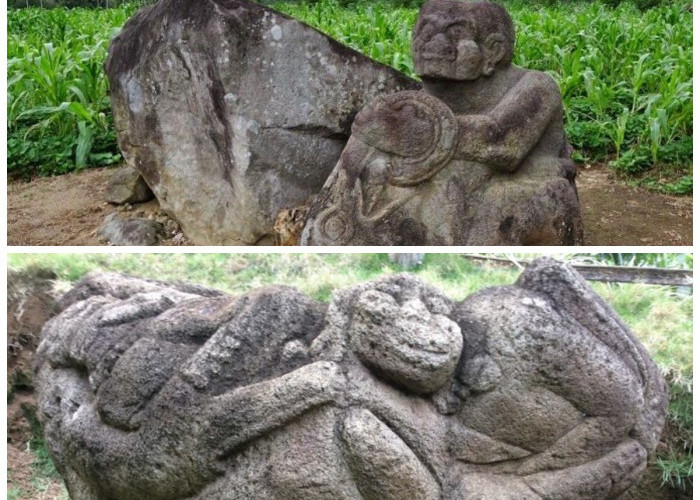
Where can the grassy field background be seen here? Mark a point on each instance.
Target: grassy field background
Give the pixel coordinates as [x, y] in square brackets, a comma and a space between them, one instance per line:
[661, 316]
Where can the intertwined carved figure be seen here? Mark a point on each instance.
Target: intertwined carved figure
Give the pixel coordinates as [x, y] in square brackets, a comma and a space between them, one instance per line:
[527, 392]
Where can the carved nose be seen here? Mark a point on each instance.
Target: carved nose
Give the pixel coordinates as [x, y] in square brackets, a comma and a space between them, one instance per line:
[439, 47]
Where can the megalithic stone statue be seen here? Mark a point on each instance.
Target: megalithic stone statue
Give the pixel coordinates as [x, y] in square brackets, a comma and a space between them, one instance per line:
[477, 157]
[236, 115]
[535, 391]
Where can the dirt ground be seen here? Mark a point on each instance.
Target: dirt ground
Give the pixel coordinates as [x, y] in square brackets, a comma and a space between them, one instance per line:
[22, 481]
[65, 210]
[617, 214]
[68, 210]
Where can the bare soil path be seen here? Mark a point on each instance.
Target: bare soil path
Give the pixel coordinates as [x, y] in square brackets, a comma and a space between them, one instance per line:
[617, 214]
[65, 210]
[68, 210]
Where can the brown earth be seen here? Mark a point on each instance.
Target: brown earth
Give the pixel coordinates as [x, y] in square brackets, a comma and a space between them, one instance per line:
[617, 214]
[68, 210]
[23, 482]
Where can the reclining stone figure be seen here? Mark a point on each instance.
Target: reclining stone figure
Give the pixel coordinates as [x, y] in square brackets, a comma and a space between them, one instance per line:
[169, 391]
[478, 157]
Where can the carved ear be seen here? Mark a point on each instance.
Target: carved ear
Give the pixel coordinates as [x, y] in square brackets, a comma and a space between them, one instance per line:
[494, 48]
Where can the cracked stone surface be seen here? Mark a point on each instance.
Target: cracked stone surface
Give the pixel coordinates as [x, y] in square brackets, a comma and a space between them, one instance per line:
[233, 112]
[168, 391]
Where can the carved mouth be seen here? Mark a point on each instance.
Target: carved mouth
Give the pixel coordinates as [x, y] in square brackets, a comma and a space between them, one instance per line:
[440, 68]
[438, 56]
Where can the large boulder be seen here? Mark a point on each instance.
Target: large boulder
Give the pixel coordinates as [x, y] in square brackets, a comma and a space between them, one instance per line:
[233, 112]
[527, 392]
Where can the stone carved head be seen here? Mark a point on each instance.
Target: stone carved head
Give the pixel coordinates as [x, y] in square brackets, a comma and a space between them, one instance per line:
[454, 40]
[407, 343]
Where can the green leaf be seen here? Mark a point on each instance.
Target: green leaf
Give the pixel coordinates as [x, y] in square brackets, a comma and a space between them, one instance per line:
[79, 110]
[84, 144]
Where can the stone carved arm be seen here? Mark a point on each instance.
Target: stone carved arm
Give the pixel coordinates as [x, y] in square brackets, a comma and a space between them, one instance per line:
[502, 138]
[384, 465]
[400, 434]
[251, 411]
[606, 477]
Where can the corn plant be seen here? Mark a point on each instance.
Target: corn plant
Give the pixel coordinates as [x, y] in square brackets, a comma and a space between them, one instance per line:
[58, 107]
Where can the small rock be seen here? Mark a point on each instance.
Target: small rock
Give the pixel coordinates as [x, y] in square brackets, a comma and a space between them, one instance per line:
[131, 232]
[127, 186]
[179, 239]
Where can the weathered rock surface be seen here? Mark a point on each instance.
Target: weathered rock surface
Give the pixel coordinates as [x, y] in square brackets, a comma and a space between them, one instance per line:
[478, 157]
[233, 112]
[532, 391]
[31, 301]
[127, 186]
[131, 232]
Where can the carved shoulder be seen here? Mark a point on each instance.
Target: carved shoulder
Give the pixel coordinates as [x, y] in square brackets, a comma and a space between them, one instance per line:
[539, 87]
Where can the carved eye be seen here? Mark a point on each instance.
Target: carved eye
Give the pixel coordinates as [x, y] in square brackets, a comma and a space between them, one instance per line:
[457, 32]
[427, 31]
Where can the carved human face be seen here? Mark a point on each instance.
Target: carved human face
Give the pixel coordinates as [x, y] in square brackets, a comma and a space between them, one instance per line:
[445, 43]
[406, 343]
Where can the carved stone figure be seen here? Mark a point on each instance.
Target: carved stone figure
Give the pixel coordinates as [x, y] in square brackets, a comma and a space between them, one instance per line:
[392, 391]
[478, 157]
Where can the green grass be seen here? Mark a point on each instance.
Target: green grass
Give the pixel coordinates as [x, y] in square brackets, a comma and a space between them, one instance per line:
[661, 318]
[14, 493]
[625, 77]
[315, 274]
